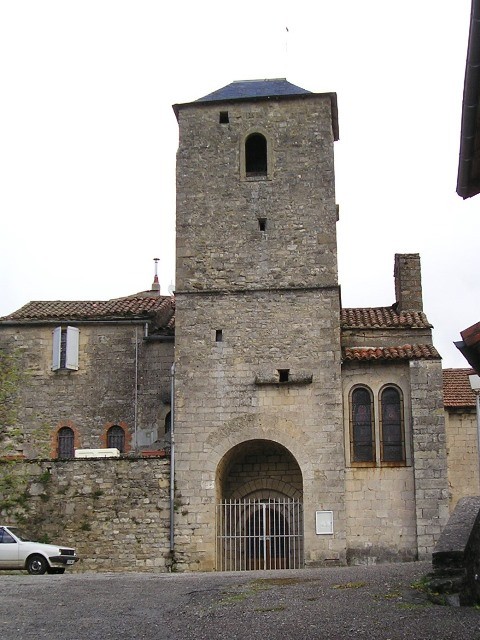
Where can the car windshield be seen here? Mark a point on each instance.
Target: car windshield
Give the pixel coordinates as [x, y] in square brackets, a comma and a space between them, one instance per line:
[21, 535]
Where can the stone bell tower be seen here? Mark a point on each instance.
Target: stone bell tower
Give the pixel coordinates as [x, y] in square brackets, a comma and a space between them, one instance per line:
[258, 404]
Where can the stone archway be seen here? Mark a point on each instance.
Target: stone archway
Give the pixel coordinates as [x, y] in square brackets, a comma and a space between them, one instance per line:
[259, 509]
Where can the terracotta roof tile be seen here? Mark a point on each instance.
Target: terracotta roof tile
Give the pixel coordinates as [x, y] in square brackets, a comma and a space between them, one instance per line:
[162, 308]
[383, 318]
[456, 388]
[405, 352]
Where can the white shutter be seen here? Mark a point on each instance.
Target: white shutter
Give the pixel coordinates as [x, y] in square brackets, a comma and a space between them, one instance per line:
[57, 339]
[71, 361]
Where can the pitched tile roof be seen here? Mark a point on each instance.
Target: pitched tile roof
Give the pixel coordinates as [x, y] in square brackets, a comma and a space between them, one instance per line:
[405, 352]
[456, 388]
[383, 318]
[160, 308]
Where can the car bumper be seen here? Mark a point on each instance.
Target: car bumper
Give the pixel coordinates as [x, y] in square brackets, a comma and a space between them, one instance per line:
[63, 561]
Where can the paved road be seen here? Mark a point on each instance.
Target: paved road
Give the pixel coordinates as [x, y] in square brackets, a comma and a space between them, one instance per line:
[335, 603]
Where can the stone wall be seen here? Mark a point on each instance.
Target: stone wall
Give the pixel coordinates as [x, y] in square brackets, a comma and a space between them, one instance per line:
[380, 501]
[256, 294]
[462, 454]
[113, 357]
[262, 471]
[228, 393]
[115, 512]
[220, 245]
[380, 506]
[429, 453]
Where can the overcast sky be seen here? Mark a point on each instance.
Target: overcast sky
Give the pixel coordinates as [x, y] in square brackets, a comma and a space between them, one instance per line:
[88, 139]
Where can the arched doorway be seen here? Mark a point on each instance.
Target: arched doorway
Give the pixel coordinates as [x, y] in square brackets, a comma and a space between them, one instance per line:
[259, 510]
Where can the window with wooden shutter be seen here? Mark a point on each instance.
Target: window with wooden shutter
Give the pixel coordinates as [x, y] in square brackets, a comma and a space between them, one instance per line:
[65, 348]
[71, 348]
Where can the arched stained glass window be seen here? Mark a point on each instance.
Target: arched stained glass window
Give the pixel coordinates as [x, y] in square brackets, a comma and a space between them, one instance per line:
[392, 432]
[256, 155]
[362, 437]
[65, 443]
[116, 438]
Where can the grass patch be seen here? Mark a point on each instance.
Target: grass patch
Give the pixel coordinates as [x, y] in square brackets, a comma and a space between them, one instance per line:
[277, 582]
[411, 606]
[420, 585]
[350, 585]
[391, 595]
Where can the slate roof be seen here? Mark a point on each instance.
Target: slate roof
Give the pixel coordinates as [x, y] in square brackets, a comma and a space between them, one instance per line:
[254, 89]
[160, 308]
[456, 388]
[246, 90]
[383, 318]
[405, 352]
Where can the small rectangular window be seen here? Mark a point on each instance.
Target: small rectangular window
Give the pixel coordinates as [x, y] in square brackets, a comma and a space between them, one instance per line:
[262, 224]
[219, 335]
[283, 375]
[224, 117]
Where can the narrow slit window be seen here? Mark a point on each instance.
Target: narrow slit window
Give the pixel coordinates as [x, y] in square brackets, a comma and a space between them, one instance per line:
[224, 117]
[256, 155]
[283, 375]
[219, 335]
[168, 422]
[262, 224]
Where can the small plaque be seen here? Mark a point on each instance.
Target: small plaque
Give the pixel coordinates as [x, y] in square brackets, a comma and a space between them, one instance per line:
[324, 522]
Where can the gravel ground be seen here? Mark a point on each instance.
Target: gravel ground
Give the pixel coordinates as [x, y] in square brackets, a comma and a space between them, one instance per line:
[336, 603]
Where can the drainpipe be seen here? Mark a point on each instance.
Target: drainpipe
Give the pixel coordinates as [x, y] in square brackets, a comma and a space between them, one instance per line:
[135, 408]
[172, 458]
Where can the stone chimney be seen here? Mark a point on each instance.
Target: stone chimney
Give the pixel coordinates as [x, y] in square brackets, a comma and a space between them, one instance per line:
[408, 282]
[156, 284]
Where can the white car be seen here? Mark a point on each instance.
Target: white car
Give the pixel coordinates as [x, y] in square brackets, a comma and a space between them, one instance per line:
[17, 552]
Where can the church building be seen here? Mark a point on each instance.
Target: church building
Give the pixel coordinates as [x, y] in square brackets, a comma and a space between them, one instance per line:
[300, 433]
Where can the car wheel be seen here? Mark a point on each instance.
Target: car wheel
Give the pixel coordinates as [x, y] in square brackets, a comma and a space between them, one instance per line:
[37, 565]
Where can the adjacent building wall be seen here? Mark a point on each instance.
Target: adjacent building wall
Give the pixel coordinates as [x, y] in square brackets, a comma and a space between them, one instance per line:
[121, 379]
[462, 454]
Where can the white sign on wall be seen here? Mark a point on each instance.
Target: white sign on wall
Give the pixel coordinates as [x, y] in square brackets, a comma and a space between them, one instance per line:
[323, 522]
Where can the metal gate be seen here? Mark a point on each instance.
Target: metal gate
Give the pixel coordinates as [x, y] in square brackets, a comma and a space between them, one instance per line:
[259, 534]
